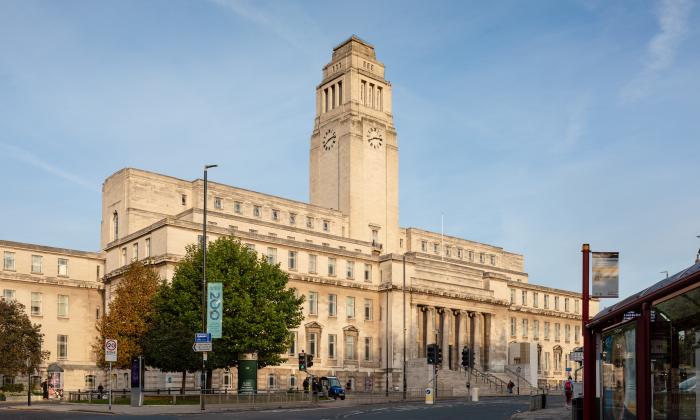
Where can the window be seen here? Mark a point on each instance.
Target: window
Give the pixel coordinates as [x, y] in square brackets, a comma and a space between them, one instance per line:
[63, 306]
[368, 348]
[326, 226]
[424, 246]
[97, 313]
[546, 301]
[379, 98]
[577, 333]
[556, 303]
[350, 269]
[312, 346]
[481, 257]
[536, 329]
[567, 333]
[115, 226]
[9, 261]
[436, 248]
[312, 264]
[148, 248]
[525, 328]
[448, 251]
[271, 381]
[512, 296]
[123, 256]
[8, 294]
[313, 303]
[557, 331]
[237, 206]
[470, 255]
[62, 350]
[524, 298]
[183, 199]
[292, 381]
[218, 203]
[292, 260]
[90, 382]
[557, 359]
[37, 263]
[535, 300]
[566, 304]
[546, 330]
[275, 215]
[349, 347]
[250, 247]
[331, 266]
[576, 306]
[292, 219]
[292, 343]
[272, 256]
[375, 236]
[513, 327]
[493, 260]
[135, 252]
[332, 305]
[332, 339]
[368, 309]
[368, 272]
[401, 243]
[36, 304]
[257, 211]
[546, 361]
[309, 222]
[459, 253]
[350, 307]
[363, 90]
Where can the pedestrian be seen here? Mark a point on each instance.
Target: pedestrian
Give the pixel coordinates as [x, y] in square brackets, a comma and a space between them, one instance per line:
[511, 385]
[45, 390]
[568, 391]
[306, 384]
[100, 389]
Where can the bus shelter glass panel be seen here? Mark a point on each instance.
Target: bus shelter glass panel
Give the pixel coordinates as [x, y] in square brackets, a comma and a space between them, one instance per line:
[619, 373]
[675, 356]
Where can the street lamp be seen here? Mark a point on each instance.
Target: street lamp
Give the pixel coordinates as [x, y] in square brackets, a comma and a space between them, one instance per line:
[204, 283]
[697, 256]
[664, 272]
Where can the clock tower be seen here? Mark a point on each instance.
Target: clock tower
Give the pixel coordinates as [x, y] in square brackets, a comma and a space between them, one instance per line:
[354, 164]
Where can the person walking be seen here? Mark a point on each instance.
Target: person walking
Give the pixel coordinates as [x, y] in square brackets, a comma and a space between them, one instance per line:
[568, 391]
[510, 387]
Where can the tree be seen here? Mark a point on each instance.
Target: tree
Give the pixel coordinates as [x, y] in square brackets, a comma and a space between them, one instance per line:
[20, 340]
[129, 312]
[258, 309]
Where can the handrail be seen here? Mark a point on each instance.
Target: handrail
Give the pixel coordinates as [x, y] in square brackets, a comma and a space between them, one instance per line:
[489, 378]
[522, 378]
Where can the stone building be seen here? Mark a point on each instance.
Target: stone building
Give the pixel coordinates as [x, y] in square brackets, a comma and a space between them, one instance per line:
[374, 290]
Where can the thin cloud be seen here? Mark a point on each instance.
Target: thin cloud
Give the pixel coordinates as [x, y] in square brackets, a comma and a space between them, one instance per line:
[673, 26]
[25, 156]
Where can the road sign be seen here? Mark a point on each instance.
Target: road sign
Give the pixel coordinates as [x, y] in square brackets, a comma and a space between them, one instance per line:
[202, 338]
[576, 356]
[110, 350]
[429, 395]
[201, 347]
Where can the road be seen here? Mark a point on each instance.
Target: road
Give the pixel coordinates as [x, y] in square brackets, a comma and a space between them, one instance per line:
[488, 408]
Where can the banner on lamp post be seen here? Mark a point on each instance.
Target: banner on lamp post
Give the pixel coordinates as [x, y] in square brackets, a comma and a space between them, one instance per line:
[215, 308]
[606, 274]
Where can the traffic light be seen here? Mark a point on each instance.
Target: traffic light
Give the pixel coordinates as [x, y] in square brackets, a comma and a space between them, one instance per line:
[432, 353]
[438, 359]
[466, 357]
[309, 360]
[302, 362]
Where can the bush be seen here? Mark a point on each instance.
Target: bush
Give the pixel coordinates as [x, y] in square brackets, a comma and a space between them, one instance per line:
[12, 388]
[2, 396]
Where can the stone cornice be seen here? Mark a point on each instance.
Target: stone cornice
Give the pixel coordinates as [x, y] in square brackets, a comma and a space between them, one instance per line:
[538, 288]
[50, 249]
[52, 281]
[543, 312]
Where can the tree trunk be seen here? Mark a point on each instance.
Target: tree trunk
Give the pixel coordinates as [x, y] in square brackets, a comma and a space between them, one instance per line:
[184, 382]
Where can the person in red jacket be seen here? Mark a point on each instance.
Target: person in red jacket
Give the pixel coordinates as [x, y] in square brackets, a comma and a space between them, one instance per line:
[568, 390]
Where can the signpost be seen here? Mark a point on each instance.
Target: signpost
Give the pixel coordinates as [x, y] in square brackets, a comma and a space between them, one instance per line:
[606, 274]
[110, 356]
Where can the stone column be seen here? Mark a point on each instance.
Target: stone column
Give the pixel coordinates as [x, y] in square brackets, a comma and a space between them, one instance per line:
[478, 326]
[413, 332]
[461, 335]
[430, 331]
[445, 334]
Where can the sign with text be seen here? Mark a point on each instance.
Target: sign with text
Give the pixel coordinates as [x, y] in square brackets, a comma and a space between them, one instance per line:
[606, 275]
[215, 306]
[110, 350]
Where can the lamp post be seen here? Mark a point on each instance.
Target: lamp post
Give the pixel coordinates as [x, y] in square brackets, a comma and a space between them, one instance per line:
[697, 256]
[204, 284]
[664, 272]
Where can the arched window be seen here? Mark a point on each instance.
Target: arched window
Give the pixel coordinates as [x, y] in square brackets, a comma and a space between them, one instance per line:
[115, 225]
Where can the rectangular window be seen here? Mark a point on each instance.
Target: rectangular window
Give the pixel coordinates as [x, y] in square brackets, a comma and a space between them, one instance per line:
[8, 294]
[448, 251]
[313, 303]
[62, 350]
[380, 105]
[556, 303]
[513, 327]
[312, 346]
[349, 347]
[275, 215]
[251, 247]
[523, 299]
[493, 260]
[37, 264]
[63, 306]
[481, 258]
[135, 252]
[546, 330]
[350, 269]
[566, 304]
[535, 300]
[350, 307]
[368, 272]
[237, 207]
[368, 309]
[424, 246]
[272, 256]
[123, 257]
[218, 203]
[512, 296]
[292, 260]
[363, 92]
[567, 333]
[309, 222]
[312, 264]
[332, 305]
[577, 333]
[148, 248]
[292, 219]
[536, 329]
[436, 248]
[97, 313]
[331, 266]
[525, 328]
[470, 255]
[257, 211]
[459, 253]
[546, 301]
[368, 349]
[557, 330]
[371, 95]
[576, 306]
[401, 243]
[326, 226]
[340, 93]
[36, 303]
[332, 338]
[292, 343]
[9, 261]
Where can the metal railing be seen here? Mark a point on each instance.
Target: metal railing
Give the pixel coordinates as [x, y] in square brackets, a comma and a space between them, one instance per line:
[532, 388]
[491, 380]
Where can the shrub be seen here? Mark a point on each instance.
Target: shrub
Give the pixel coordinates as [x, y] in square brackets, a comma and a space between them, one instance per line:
[12, 388]
[2, 396]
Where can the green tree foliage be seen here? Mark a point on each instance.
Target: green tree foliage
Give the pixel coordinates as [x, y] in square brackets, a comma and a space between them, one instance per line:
[258, 309]
[128, 316]
[20, 340]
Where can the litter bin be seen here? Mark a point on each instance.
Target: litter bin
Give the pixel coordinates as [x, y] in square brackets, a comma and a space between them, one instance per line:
[577, 409]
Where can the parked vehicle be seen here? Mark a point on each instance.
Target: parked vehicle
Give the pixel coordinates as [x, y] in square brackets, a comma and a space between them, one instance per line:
[332, 388]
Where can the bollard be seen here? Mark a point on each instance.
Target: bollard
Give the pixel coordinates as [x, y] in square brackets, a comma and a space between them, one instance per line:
[475, 394]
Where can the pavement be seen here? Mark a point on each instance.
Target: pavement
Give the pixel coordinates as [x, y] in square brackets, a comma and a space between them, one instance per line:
[557, 411]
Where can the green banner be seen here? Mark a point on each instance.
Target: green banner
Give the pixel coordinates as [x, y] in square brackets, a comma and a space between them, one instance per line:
[215, 308]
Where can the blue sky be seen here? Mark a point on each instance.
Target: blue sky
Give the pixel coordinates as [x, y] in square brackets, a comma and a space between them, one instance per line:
[535, 126]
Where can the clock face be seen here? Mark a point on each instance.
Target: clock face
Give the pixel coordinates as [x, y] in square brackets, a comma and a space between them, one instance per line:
[374, 138]
[329, 139]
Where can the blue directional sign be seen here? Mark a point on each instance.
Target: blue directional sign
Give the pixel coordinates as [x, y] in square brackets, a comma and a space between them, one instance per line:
[202, 338]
